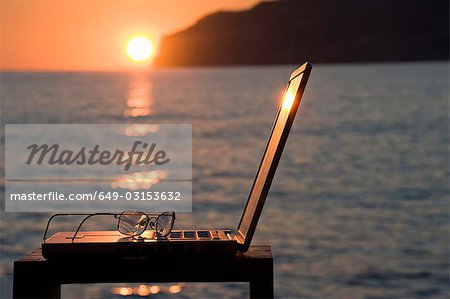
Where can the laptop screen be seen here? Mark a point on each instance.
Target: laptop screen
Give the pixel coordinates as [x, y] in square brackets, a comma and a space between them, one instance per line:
[272, 154]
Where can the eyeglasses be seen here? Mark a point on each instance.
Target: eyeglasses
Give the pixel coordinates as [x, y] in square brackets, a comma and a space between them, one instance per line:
[130, 223]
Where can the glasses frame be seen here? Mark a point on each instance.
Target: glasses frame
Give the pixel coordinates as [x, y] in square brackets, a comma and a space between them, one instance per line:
[150, 216]
[117, 216]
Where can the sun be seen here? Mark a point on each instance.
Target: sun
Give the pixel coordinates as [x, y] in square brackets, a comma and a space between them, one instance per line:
[139, 48]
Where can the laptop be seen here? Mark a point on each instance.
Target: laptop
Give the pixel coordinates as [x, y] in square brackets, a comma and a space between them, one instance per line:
[204, 242]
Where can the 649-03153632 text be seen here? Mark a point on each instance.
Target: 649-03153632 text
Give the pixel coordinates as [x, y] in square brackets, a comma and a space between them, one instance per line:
[98, 195]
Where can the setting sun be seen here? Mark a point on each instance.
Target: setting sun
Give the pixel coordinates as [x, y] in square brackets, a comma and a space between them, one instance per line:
[139, 49]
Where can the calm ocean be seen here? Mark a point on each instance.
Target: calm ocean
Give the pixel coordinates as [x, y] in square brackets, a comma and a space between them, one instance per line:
[358, 208]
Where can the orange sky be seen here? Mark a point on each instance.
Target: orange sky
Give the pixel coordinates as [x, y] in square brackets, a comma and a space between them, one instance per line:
[91, 34]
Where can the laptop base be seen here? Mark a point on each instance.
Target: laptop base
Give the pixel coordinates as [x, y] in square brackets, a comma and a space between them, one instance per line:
[107, 244]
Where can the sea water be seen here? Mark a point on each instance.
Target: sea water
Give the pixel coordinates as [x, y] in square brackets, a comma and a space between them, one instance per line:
[359, 204]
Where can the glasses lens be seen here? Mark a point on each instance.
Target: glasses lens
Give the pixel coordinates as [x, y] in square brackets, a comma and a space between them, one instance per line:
[164, 223]
[132, 223]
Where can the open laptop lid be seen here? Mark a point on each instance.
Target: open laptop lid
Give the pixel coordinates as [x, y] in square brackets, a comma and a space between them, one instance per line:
[272, 154]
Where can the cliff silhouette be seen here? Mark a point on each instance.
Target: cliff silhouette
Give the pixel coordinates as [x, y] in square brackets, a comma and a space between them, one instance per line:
[320, 31]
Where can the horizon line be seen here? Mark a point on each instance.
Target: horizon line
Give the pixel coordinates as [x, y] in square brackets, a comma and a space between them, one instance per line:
[153, 68]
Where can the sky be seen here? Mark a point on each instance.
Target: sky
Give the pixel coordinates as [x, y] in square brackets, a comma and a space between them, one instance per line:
[88, 35]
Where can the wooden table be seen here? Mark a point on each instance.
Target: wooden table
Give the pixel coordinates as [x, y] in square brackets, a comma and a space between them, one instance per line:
[37, 277]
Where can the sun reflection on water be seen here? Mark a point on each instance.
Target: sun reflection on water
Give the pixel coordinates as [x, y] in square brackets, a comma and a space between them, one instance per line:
[139, 180]
[140, 130]
[122, 291]
[147, 290]
[139, 101]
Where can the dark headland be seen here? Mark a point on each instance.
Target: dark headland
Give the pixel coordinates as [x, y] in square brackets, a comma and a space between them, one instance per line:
[321, 31]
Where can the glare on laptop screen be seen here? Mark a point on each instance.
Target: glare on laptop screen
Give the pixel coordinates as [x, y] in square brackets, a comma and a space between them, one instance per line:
[260, 183]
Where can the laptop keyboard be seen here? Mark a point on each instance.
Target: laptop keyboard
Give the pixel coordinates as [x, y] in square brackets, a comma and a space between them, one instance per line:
[192, 234]
[175, 235]
[189, 234]
[202, 234]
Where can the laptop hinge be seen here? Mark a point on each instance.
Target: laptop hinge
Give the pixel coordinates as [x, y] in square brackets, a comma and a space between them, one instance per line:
[239, 238]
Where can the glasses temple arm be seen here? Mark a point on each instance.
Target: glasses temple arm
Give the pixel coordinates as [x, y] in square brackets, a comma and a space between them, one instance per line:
[56, 215]
[89, 216]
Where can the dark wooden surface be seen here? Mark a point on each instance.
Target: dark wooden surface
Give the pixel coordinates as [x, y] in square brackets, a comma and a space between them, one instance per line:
[37, 277]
